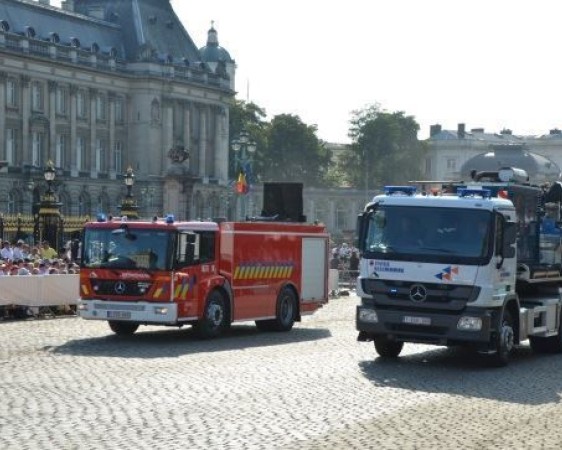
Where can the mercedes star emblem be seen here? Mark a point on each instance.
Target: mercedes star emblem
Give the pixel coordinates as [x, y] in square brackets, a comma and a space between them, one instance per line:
[120, 287]
[418, 293]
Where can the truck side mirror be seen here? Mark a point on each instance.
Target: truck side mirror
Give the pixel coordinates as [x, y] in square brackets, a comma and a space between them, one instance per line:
[360, 230]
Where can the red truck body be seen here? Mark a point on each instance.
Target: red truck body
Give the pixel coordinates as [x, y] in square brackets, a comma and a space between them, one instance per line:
[205, 274]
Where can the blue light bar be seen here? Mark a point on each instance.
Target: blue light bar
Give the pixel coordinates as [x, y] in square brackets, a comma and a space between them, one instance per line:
[101, 217]
[466, 192]
[170, 218]
[404, 190]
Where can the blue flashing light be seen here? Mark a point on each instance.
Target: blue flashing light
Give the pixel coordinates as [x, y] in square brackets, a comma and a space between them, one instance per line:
[466, 192]
[101, 217]
[404, 190]
[170, 218]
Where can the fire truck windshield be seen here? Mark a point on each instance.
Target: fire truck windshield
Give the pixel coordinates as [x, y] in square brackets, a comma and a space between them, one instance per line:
[429, 234]
[130, 249]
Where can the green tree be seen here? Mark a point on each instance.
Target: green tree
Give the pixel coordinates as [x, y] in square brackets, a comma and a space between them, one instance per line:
[384, 150]
[293, 152]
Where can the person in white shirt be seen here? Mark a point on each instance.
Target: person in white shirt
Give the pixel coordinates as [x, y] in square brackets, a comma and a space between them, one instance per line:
[18, 250]
[6, 253]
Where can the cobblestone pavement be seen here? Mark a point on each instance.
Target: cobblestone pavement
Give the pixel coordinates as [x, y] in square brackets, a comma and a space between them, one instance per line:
[67, 383]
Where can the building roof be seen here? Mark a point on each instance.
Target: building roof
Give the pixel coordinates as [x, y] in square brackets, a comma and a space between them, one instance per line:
[46, 23]
[127, 28]
[213, 52]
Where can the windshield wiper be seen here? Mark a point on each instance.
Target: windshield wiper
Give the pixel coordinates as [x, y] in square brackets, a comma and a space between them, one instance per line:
[437, 249]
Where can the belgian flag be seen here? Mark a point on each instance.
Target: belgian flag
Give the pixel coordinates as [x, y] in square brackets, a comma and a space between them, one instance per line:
[241, 186]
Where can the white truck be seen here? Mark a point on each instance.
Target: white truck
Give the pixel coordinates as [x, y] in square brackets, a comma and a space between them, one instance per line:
[474, 264]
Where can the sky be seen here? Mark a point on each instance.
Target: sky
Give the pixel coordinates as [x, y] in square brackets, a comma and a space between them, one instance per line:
[488, 64]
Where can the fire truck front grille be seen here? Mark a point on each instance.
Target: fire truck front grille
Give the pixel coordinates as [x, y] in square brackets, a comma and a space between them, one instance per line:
[120, 288]
[408, 294]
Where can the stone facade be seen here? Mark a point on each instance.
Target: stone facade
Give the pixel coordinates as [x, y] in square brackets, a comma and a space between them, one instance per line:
[99, 86]
[97, 104]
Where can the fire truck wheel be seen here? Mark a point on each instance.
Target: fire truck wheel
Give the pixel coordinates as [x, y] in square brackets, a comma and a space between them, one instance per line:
[504, 340]
[123, 328]
[387, 348]
[285, 315]
[215, 318]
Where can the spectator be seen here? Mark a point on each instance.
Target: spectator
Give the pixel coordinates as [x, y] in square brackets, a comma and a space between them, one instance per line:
[7, 252]
[43, 270]
[35, 254]
[354, 264]
[345, 251]
[74, 250]
[18, 250]
[47, 252]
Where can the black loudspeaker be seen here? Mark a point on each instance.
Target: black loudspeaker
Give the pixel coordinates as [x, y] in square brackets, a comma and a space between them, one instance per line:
[283, 202]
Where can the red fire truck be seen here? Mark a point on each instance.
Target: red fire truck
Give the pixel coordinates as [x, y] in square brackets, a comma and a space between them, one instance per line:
[205, 274]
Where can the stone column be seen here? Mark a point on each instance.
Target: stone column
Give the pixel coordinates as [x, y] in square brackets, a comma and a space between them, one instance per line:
[187, 127]
[73, 135]
[52, 85]
[25, 113]
[167, 128]
[110, 162]
[203, 111]
[221, 145]
[91, 147]
[3, 78]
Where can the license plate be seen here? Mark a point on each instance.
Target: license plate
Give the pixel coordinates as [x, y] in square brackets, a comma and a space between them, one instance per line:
[412, 320]
[118, 314]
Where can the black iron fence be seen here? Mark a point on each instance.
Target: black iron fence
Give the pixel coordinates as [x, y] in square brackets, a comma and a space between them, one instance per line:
[33, 229]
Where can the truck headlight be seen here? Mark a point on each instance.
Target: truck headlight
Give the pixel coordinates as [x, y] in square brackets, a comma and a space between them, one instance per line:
[82, 307]
[368, 315]
[162, 310]
[468, 323]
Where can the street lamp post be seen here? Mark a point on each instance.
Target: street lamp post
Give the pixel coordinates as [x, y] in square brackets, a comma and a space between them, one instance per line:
[48, 224]
[244, 149]
[129, 206]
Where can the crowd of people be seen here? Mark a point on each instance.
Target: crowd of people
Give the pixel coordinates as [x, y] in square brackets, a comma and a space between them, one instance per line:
[21, 259]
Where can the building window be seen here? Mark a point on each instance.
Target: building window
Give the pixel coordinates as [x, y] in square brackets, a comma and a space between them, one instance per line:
[37, 148]
[10, 146]
[37, 96]
[99, 155]
[119, 109]
[80, 152]
[118, 157]
[81, 104]
[84, 204]
[451, 164]
[100, 107]
[60, 151]
[62, 99]
[341, 218]
[11, 92]
[11, 203]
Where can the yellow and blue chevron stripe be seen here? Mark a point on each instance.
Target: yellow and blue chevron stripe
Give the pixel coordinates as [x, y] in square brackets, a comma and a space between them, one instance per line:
[262, 271]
